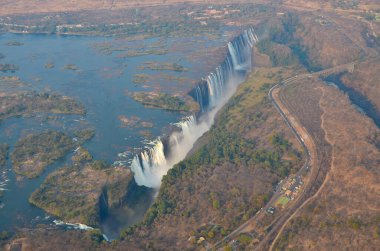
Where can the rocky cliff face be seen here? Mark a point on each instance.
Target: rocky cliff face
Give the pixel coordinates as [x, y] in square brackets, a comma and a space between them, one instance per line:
[83, 192]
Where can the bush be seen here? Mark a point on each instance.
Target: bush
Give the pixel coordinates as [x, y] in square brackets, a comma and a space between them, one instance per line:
[215, 204]
[96, 235]
[4, 235]
[228, 248]
[354, 223]
[244, 239]
[211, 234]
[99, 165]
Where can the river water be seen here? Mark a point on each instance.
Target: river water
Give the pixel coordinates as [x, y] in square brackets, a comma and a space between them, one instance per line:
[362, 103]
[104, 73]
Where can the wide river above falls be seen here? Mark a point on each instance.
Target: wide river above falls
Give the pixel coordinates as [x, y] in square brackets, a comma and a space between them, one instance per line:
[98, 72]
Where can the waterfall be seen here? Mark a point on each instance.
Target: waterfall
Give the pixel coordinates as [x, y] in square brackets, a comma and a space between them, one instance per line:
[155, 159]
[230, 73]
[211, 94]
[149, 166]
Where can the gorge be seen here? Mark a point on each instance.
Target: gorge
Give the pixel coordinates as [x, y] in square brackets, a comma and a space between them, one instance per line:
[211, 94]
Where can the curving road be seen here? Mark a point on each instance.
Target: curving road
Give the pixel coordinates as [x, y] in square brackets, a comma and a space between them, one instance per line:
[301, 135]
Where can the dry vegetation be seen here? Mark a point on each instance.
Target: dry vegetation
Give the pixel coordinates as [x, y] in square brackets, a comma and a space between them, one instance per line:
[365, 79]
[338, 5]
[29, 103]
[302, 101]
[166, 101]
[84, 191]
[326, 50]
[232, 171]
[33, 153]
[56, 239]
[10, 7]
[240, 185]
[170, 18]
[344, 214]
[210, 199]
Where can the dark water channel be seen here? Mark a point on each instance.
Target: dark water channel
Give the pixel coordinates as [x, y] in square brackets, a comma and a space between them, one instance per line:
[359, 100]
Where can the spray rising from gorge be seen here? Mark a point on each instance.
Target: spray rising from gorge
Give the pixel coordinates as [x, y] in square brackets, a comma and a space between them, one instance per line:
[211, 94]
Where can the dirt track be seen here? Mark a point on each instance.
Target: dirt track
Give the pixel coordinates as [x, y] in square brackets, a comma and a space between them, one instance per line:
[310, 133]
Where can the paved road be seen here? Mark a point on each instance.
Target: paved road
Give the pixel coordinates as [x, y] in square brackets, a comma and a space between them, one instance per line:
[277, 224]
[307, 192]
[278, 192]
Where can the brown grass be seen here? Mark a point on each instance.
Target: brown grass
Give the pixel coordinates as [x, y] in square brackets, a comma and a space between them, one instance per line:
[351, 191]
[365, 79]
[11, 7]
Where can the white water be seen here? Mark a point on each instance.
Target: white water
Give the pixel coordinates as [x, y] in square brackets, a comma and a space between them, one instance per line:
[151, 165]
[79, 226]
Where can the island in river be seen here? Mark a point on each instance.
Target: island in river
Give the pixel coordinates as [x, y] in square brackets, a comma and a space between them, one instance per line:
[33, 153]
[43, 96]
[83, 191]
[166, 101]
